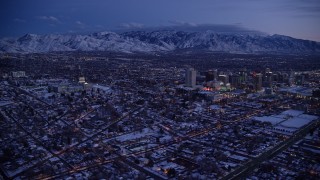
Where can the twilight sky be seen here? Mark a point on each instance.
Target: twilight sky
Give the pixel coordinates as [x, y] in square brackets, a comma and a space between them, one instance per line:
[296, 18]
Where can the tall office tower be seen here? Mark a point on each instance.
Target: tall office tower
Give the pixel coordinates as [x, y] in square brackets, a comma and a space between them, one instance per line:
[191, 75]
[284, 77]
[258, 81]
[306, 75]
[275, 77]
[215, 74]
[224, 78]
[300, 79]
[269, 78]
[268, 70]
[209, 76]
[243, 75]
[291, 77]
[234, 80]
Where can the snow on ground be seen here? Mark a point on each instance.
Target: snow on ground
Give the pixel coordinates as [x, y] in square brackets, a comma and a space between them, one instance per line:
[237, 157]
[135, 135]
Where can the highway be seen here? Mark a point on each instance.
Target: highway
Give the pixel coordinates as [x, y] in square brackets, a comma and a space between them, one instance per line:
[242, 171]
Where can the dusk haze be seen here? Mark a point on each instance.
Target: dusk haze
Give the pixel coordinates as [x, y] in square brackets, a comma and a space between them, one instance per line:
[159, 89]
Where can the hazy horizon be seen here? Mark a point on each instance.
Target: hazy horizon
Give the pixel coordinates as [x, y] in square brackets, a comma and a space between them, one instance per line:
[298, 19]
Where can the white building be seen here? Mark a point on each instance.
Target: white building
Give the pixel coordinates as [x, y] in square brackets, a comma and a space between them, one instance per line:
[100, 88]
[17, 74]
[82, 80]
[289, 121]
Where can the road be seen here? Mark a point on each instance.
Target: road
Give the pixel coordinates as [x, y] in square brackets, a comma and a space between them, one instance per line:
[239, 172]
[69, 148]
[38, 142]
[242, 171]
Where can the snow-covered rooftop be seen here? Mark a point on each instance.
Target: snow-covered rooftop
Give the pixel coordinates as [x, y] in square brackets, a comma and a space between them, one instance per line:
[272, 119]
[293, 113]
[295, 122]
[103, 88]
[289, 119]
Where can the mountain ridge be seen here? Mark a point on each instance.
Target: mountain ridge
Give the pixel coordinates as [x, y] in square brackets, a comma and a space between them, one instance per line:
[159, 41]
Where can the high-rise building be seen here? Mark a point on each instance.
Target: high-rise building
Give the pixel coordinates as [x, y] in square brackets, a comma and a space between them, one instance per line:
[224, 78]
[234, 80]
[82, 80]
[291, 77]
[258, 81]
[215, 74]
[243, 75]
[268, 70]
[275, 77]
[191, 76]
[211, 75]
[283, 77]
[269, 78]
[300, 79]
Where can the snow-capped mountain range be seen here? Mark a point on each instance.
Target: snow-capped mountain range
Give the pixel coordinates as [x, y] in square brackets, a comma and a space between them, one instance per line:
[160, 41]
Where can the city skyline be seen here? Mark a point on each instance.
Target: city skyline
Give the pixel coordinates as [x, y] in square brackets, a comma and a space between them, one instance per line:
[150, 89]
[104, 115]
